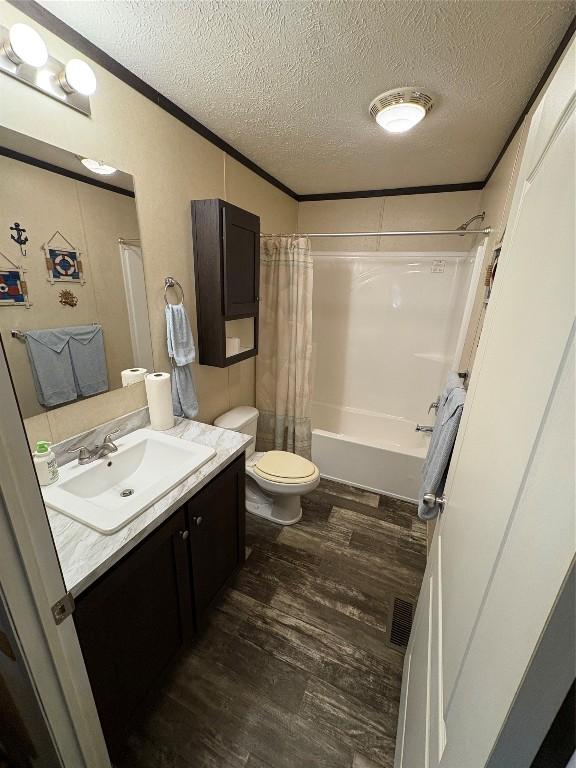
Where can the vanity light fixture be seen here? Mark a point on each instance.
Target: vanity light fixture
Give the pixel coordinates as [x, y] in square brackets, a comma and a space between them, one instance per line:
[25, 57]
[78, 77]
[97, 166]
[24, 45]
[400, 109]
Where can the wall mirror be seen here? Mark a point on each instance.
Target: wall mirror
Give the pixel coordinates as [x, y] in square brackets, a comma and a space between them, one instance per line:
[73, 308]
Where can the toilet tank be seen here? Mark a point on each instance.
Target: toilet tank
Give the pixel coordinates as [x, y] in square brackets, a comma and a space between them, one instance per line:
[243, 418]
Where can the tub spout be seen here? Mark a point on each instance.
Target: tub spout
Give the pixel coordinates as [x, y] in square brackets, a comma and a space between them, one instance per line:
[422, 428]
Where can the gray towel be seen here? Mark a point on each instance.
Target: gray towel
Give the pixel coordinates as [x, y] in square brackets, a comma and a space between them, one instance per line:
[66, 363]
[453, 381]
[88, 359]
[179, 335]
[184, 400]
[51, 366]
[182, 352]
[435, 467]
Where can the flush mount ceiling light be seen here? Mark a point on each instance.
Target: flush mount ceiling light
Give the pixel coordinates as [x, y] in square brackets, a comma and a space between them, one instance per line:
[24, 45]
[400, 109]
[96, 166]
[78, 77]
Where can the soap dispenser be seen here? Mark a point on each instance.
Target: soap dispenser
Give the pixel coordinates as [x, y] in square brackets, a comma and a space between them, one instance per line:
[45, 463]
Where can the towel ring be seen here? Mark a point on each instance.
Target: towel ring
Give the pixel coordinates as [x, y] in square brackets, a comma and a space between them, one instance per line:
[170, 282]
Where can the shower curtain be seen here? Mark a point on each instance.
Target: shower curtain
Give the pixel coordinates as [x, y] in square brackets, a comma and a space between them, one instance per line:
[285, 346]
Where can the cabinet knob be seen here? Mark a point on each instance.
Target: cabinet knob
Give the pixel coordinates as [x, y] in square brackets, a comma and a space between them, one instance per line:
[198, 520]
[184, 534]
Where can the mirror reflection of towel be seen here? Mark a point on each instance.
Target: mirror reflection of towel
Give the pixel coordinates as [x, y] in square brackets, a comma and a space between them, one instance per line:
[67, 363]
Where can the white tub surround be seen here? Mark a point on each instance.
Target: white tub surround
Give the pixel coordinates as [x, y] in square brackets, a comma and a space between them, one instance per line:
[386, 326]
[374, 451]
[85, 554]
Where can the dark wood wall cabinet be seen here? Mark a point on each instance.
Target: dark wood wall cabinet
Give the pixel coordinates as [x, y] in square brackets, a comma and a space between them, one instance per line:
[227, 272]
[139, 615]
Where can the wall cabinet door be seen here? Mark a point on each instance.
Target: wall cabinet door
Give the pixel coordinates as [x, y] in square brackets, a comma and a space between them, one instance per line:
[132, 623]
[216, 519]
[241, 255]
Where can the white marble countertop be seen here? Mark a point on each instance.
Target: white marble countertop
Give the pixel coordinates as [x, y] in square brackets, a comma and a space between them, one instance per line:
[85, 554]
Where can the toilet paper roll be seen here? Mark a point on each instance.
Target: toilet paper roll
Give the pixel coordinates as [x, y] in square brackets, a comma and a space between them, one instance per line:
[159, 394]
[133, 375]
[232, 345]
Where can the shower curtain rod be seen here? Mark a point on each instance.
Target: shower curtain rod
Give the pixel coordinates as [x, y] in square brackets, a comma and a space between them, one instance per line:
[462, 230]
[402, 233]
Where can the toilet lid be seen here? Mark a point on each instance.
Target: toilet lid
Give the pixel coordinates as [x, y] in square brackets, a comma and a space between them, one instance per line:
[284, 467]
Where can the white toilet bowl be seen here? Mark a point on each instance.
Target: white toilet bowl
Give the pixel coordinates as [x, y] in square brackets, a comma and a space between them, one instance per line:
[275, 480]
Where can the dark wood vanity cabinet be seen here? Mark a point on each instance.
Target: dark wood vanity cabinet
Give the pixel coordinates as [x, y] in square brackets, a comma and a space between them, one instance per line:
[227, 273]
[133, 622]
[217, 536]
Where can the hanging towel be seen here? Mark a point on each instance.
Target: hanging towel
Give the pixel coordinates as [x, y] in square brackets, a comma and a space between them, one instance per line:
[179, 335]
[51, 366]
[440, 451]
[86, 346]
[184, 400]
[182, 352]
[67, 363]
[453, 381]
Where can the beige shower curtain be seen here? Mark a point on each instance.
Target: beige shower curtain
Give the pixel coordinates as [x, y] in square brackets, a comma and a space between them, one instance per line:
[285, 346]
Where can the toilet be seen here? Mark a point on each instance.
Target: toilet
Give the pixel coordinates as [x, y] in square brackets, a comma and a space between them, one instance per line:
[275, 480]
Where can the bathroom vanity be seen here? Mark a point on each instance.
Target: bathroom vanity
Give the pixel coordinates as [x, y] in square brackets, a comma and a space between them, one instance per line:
[142, 593]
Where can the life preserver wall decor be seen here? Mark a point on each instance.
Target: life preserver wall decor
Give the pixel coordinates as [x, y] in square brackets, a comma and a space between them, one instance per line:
[13, 287]
[63, 264]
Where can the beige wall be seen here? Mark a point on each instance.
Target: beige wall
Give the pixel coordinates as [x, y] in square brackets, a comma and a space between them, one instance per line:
[171, 166]
[92, 219]
[438, 211]
[496, 200]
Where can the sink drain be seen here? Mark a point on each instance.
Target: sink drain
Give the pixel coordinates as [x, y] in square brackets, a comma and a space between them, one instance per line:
[126, 492]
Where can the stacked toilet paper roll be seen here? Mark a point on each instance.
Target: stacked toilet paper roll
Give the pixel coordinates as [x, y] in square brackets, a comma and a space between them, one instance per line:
[232, 345]
[133, 375]
[159, 394]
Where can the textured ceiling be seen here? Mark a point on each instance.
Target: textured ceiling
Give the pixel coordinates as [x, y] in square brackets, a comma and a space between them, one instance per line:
[288, 83]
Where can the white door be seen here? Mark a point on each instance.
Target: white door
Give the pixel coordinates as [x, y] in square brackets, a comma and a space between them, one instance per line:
[137, 304]
[506, 540]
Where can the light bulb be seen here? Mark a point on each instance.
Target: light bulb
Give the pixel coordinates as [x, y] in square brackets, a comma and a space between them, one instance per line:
[398, 118]
[25, 45]
[78, 77]
[96, 166]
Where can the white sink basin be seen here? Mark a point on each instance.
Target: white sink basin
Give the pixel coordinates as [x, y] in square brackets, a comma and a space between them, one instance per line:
[110, 492]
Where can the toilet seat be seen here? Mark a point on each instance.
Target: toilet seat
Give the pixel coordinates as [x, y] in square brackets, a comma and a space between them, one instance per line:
[285, 468]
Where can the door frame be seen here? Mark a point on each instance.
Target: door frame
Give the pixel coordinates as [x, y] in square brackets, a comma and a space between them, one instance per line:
[32, 582]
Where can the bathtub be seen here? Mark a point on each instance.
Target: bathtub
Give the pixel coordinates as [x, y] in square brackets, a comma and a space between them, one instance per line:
[377, 452]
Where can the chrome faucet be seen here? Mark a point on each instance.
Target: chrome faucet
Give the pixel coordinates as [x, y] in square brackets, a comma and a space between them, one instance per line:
[88, 455]
[422, 428]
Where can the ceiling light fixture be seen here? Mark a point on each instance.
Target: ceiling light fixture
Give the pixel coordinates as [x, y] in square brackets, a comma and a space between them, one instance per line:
[97, 166]
[400, 109]
[78, 77]
[24, 45]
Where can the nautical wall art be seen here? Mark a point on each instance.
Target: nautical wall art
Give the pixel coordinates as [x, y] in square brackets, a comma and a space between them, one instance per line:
[63, 264]
[13, 288]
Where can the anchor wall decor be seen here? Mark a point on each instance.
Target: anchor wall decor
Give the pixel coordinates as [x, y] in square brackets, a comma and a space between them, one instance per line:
[20, 237]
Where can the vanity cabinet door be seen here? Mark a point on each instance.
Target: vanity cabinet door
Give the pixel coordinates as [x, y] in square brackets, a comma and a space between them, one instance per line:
[133, 621]
[216, 519]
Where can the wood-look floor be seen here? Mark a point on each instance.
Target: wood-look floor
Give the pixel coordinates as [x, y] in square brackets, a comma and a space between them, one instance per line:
[294, 670]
